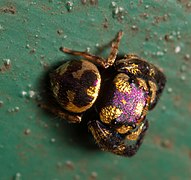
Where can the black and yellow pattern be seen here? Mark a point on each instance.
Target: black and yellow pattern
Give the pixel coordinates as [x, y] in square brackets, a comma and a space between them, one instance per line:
[76, 85]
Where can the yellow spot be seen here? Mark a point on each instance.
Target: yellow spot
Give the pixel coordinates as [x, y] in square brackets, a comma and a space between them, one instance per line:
[109, 113]
[152, 72]
[123, 101]
[119, 149]
[153, 89]
[124, 129]
[93, 90]
[144, 112]
[133, 69]
[139, 108]
[135, 135]
[72, 107]
[122, 84]
[142, 84]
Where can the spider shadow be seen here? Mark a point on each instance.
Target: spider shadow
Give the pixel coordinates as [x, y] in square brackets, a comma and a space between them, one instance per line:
[76, 133]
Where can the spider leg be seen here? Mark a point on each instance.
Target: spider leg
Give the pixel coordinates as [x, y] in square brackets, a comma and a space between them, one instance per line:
[96, 59]
[114, 49]
[70, 117]
[110, 140]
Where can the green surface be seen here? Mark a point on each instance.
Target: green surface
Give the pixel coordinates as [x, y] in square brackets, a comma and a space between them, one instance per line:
[37, 145]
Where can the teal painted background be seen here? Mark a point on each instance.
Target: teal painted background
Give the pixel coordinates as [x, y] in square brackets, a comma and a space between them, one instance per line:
[37, 145]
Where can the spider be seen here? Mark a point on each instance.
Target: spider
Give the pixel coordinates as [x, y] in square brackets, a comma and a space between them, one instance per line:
[122, 100]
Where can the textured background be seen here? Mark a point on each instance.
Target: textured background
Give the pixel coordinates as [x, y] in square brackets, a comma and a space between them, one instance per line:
[37, 145]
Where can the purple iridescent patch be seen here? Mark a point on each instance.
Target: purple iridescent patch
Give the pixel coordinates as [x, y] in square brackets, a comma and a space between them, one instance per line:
[131, 103]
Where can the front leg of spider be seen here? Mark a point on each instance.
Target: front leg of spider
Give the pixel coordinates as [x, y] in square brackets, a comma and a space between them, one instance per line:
[105, 63]
[121, 144]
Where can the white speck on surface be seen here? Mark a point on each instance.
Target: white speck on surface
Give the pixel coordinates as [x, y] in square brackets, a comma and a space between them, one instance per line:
[1, 27]
[33, 3]
[113, 4]
[94, 175]
[169, 90]
[164, 108]
[27, 131]
[187, 56]
[146, 6]
[183, 68]
[183, 77]
[17, 176]
[59, 164]
[88, 49]
[69, 5]
[170, 37]
[93, 19]
[121, 9]
[177, 49]
[118, 11]
[134, 27]
[52, 140]
[32, 94]
[161, 38]
[174, 33]
[188, 4]
[23, 93]
[1, 103]
[76, 177]
[28, 46]
[7, 62]
[29, 85]
[69, 164]
[160, 53]
[17, 109]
